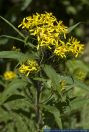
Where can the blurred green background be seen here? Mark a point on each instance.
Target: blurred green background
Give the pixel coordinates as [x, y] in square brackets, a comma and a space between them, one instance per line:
[69, 11]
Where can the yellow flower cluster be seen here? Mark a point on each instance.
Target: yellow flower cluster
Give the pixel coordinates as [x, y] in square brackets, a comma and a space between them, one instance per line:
[8, 75]
[72, 46]
[30, 66]
[51, 34]
[38, 19]
[45, 27]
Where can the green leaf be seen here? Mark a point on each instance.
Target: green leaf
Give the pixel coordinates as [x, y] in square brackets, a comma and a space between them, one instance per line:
[54, 77]
[11, 88]
[77, 64]
[32, 125]
[24, 103]
[25, 4]
[26, 42]
[12, 37]
[16, 122]
[68, 79]
[40, 79]
[18, 39]
[80, 84]
[11, 25]
[20, 124]
[72, 10]
[3, 41]
[12, 54]
[77, 103]
[10, 127]
[56, 113]
[73, 27]
[2, 83]
[15, 97]
[4, 115]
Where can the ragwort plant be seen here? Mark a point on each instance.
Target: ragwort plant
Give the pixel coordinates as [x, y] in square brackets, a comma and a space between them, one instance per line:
[39, 91]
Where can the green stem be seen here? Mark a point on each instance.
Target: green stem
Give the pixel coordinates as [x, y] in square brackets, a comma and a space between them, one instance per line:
[39, 90]
[38, 113]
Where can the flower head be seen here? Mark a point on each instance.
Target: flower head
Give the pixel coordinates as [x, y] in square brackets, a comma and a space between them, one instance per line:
[46, 28]
[52, 34]
[75, 47]
[29, 67]
[8, 75]
[72, 46]
[38, 20]
[60, 51]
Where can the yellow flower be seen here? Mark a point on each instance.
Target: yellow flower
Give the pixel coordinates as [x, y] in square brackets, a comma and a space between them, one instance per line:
[24, 69]
[62, 28]
[8, 75]
[46, 29]
[60, 51]
[30, 66]
[37, 20]
[75, 47]
[51, 34]
[72, 46]
[63, 85]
